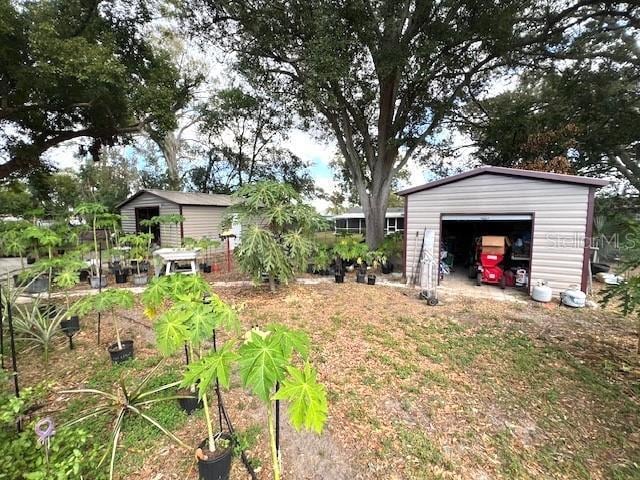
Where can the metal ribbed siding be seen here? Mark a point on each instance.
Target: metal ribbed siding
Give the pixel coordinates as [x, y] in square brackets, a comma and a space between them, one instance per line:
[169, 234]
[560, 216]
[201, 221]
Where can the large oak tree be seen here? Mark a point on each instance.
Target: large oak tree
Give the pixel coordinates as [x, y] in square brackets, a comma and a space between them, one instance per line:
[78, 69]
[384, 75]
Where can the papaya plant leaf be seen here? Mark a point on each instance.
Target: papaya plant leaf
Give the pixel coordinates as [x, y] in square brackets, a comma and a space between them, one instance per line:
[171, 332]
[308, 398]
[225, 315]
[201, 322]
[289, 340]
[262, 364]
[215, 365]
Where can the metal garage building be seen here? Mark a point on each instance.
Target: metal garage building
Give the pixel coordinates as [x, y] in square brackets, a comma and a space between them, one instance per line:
[556, 210]
[202, 213]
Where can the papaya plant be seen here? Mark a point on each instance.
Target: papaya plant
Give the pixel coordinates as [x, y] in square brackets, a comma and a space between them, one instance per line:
[91, 213]
[279, 237]
[185, 312]
[68, 276]
[267, 358]
[107, 301]
[350, 248]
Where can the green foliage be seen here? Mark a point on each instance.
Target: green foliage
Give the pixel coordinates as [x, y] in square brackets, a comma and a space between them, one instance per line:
[140, 244]
[106, 300]
[36, 327]
[190, 311]
[71, 70]
[122, 406]
[627, 293]
[321, 259]
[71, 453]
[392, 245]
[214, 366]
[245, 135]
[278, 239]
[350, 248]
[308, 399]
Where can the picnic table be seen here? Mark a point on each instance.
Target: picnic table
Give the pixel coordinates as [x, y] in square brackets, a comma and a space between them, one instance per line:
[169, 257]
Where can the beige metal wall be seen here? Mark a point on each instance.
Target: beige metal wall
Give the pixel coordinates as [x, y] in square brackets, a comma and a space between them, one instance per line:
[560, 219]
[169, 234]
[203, 221]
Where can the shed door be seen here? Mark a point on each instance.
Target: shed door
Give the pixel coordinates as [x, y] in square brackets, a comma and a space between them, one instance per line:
[146, 213]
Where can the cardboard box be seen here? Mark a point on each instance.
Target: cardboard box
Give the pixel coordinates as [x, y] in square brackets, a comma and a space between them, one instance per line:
[493, 244]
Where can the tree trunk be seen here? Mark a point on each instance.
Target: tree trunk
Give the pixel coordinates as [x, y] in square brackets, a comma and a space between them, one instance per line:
[272, 283]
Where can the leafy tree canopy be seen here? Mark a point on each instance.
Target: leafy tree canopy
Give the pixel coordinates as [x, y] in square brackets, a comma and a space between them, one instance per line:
[384, 76]
[78, 69]
[583, 120]
[242, 136]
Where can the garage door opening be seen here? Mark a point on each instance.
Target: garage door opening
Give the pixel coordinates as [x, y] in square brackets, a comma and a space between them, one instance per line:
[460, 253]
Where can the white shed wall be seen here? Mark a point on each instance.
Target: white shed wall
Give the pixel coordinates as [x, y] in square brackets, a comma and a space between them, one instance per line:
[169, 234]
[560, 219]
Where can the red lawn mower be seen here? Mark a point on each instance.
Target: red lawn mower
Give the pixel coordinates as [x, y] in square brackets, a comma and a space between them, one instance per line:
[490, 252]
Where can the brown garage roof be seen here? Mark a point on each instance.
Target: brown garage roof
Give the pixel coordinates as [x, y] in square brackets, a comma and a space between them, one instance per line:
[511, 172]
[186, 198]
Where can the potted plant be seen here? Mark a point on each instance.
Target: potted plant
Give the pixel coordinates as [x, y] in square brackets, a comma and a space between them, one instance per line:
[139, 253]
[122, 405]
[67, 278]
[277, 356]
[391, 247]
[91, 213]
[349, 248]
[206, 244]
[108, 301]
[185, 311]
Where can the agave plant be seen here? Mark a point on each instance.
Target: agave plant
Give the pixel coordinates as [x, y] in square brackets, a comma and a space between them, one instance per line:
[37, 327]
[123, 404]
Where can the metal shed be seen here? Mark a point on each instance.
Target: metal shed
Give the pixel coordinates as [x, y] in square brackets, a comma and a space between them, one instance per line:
[556, 209]
[202, 214]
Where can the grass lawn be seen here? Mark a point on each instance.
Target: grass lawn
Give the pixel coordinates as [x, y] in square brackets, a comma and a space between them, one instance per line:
[468, 389]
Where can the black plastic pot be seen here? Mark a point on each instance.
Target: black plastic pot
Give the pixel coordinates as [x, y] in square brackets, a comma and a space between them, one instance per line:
[31, 260]
[121, 276]
[206, 269]
[371, 280]
[84, 275]
[190, 404]
[219, 467]
[39, 285]
[339, 278]
[70, 326]
[387, 267]
[361, 277]
[599, 268]
[119, 356]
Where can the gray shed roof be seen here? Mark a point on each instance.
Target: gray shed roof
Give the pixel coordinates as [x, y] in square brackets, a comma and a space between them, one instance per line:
[186, 198]
[511, 172]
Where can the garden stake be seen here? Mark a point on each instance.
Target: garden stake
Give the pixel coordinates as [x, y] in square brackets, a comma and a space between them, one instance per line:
[99, 285]
[13, 359]
[186, 353]
[278, 422]
[223, 410]
[1, 330]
